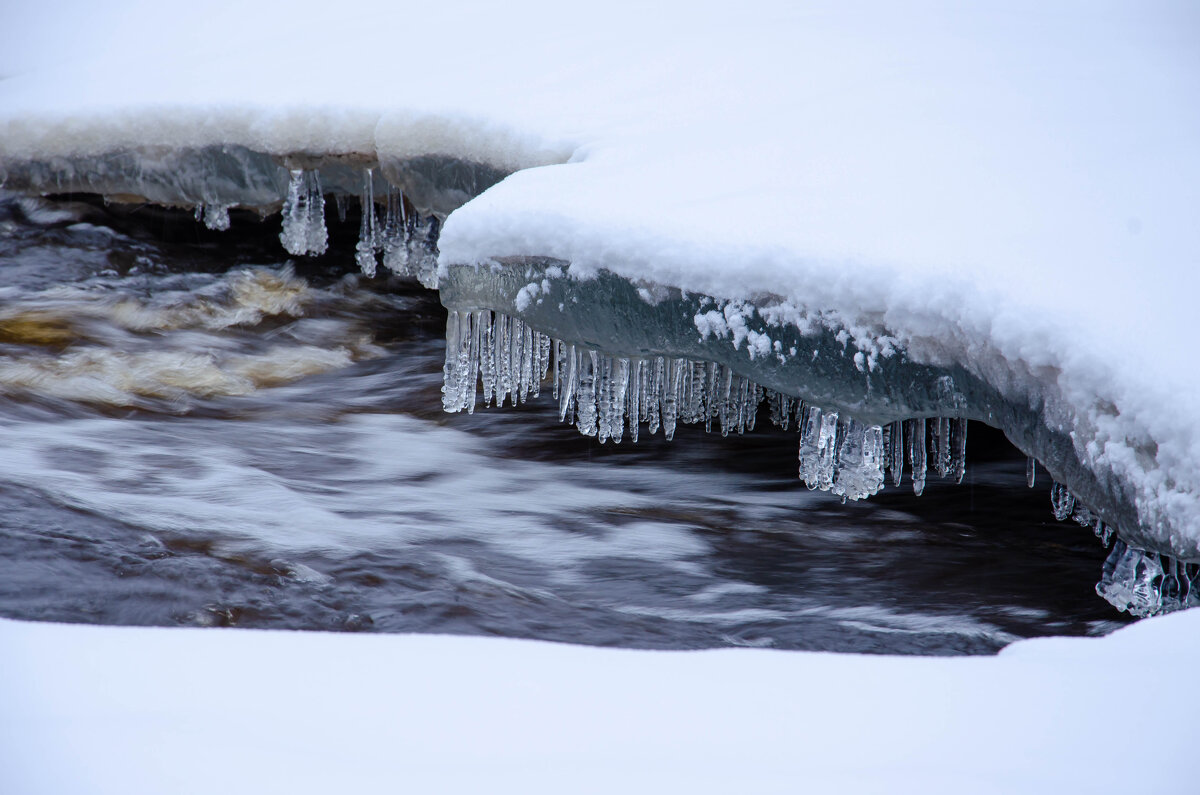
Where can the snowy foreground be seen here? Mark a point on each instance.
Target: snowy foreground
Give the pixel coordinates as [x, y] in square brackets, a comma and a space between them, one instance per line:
[117, 710]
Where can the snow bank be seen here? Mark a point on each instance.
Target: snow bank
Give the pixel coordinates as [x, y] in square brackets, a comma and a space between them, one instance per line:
[1008, 188]
[122, 710]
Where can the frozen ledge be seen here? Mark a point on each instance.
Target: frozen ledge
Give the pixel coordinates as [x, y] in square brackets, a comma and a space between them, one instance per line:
[809, 360]
[225, 176]
[860, 398]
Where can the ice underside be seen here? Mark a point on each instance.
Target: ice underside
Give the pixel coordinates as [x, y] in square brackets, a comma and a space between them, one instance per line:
[623, 359]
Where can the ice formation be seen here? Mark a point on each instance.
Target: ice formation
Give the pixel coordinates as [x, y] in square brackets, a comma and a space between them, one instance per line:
[492, 357]
[304, 215]
[404, 240]
[1136, 580]
[369, 241]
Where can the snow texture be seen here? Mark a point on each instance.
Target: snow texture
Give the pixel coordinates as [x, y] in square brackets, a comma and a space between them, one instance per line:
[134, 710]
[1010, 186]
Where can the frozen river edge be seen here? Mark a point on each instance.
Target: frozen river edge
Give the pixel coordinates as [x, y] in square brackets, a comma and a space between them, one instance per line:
[825, 356]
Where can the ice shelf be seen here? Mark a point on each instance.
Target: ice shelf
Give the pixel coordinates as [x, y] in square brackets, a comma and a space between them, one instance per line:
[624, 358]
[228, 176]
[493, 358]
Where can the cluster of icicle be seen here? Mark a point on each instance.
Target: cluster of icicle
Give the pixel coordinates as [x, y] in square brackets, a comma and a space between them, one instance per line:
[215, 216]
[848, 458]
[1134, 580]
[406, 242]
[608, 396]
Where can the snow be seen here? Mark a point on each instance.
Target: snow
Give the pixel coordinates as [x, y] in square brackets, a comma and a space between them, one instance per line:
[133, 710]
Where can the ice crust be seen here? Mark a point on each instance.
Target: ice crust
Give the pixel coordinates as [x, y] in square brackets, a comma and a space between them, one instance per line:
[1001, 195]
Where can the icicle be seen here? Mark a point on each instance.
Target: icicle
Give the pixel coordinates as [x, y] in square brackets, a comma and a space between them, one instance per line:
[610, 397]
[1171, 586]
[620, 386]
[754, 396]
[725, 410]
[654, 394]
[781, 409]
[818, 445]
[304, 215]
[810, 429]
[1062, 502]
[603, 397]
[826, 449]
[743, 405]
[528, 366]
[1030, 471]
[216, 217]
[502, 340]
[645, 390]
[673, 375]
[198, 212]
[942, 453]
[897, 452]
[711, 400]
[859, 471]
[1103, 532]
[451, 400]
[458, 387]
[317, 234]
[537, 371]
[368, 229]
[683, 391]
[426, 253]
[395, 233]
[566, 391]
[1083, 515]
[471, 376]
[634, 391]
[341, 202]
[598, 393]
[487, 354]
[697, 400]
[585, 393]
[1189, 593]
[516, 360]
[1131, 580]
[294, 237]
[958, 452]
[916, 454]
[558, 357]
[1147, 579]
[543, 357]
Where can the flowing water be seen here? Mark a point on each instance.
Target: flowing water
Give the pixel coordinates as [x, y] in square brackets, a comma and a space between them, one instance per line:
[196, 431]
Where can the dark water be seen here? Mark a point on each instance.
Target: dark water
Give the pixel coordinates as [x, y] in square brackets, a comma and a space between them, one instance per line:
[195, 432]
